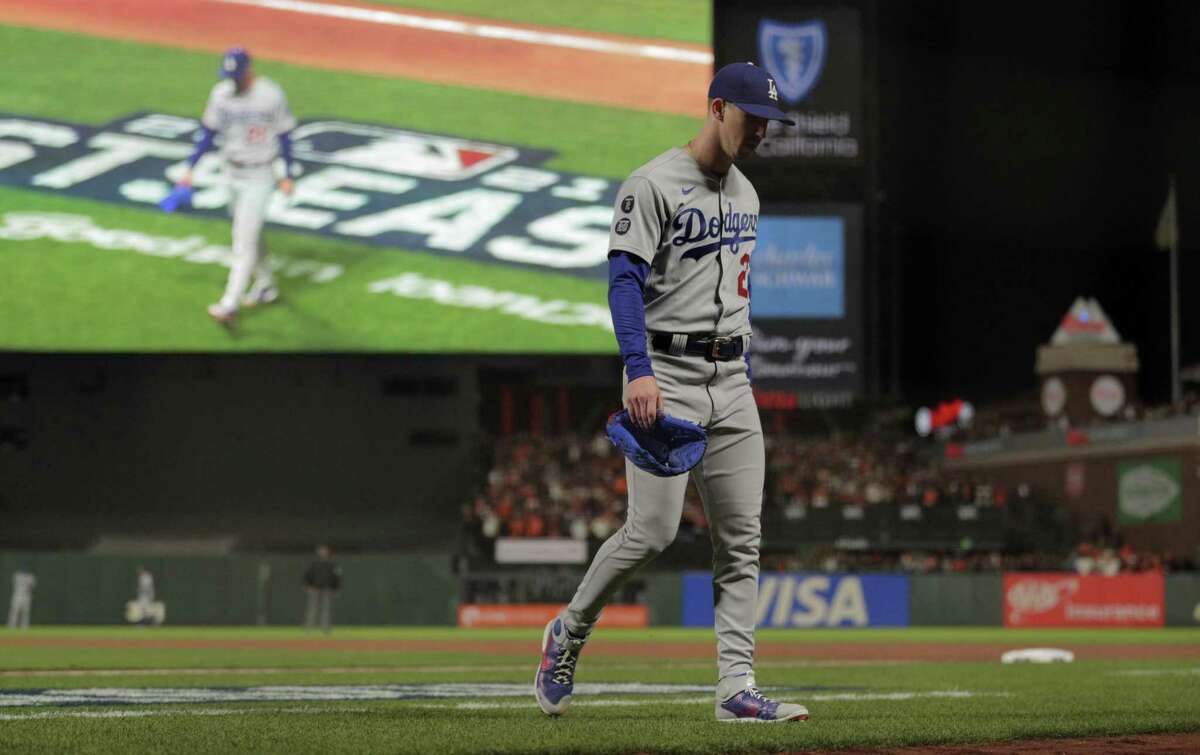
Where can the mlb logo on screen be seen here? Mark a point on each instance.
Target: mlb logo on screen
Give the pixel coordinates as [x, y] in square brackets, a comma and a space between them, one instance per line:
[794, 54]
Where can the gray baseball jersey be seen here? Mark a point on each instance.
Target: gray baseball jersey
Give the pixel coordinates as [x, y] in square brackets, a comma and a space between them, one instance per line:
[250, 123]
[145, 587]
[697, 232]
[23, 584]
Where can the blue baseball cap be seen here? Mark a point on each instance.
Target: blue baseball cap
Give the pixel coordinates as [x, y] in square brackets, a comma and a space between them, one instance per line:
[234, 63]
[750, 88]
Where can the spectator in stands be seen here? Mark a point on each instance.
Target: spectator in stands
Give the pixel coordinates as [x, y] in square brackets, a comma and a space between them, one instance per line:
[322, 580]
[1084, 559]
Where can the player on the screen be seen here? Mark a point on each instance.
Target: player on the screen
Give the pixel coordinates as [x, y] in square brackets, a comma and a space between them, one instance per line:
[251, 114]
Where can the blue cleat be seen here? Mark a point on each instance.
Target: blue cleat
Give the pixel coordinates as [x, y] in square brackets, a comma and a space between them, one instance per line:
[739, 701]
[556, 673]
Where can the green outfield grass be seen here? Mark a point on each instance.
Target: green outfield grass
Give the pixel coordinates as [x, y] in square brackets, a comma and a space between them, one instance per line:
[78, 297]
[678, 20]
[852, 704]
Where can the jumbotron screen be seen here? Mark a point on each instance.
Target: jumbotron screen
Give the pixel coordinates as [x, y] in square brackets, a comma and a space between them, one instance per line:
[447, 200]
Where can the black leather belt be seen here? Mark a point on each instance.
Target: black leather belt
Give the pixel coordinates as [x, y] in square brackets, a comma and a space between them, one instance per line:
[714, 348]
[243, 166]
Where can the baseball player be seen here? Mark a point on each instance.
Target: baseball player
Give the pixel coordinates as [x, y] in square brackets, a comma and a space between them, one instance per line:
[251, 114]
[145, 586]
[679, 264]
[21, 602]
[322, 580]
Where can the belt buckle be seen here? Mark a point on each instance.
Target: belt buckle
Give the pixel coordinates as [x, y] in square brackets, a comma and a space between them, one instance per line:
[714, 347]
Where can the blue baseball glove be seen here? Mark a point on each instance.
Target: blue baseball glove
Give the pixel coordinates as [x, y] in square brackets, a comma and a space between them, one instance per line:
[671, 447]
[180, 196]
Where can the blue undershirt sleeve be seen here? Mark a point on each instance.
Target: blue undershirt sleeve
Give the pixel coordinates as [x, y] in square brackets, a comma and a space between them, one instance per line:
[203, 144]
[626, 285]
[285, 151]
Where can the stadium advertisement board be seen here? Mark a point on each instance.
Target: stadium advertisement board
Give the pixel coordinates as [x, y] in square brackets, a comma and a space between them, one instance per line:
[815, 54]
[810, 600]
[1149, 490]
[1075, 600]
[539, 614]
[806, 302]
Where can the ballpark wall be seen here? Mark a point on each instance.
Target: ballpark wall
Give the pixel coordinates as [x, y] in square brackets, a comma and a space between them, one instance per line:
[377, 589]
[956, 600]
[277, 451]
[1183, 600]
[402, 589]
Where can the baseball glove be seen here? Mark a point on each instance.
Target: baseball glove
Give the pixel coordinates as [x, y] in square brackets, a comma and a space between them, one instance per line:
[671, 447]
[180, 196]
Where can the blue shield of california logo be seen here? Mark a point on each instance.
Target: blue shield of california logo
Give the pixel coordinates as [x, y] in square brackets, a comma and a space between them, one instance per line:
[794, 54]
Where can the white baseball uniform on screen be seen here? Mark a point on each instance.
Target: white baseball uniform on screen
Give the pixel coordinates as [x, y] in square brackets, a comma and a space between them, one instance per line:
[251, 114]
[21, 603]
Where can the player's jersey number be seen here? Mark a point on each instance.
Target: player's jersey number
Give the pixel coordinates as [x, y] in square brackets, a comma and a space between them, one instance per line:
[743, 291]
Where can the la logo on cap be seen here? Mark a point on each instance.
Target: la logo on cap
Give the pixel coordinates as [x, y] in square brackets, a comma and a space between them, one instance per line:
[772, 92]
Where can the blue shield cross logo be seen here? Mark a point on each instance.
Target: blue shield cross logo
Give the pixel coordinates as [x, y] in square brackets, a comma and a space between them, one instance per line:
[794, 54]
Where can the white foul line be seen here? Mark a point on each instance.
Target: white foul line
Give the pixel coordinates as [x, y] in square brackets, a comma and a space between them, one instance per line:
[172, 712]
[809, 698]
[315, 670]
[1157, 672]
[487, 31]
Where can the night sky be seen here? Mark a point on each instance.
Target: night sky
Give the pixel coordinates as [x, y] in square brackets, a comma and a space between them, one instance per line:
[1023, 153]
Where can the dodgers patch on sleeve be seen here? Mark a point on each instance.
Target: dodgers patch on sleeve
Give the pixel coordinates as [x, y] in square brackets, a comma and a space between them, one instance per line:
[622, 226]
[627, 204]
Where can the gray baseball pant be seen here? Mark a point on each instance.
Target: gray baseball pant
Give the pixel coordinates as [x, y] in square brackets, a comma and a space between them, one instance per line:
[729, 479]
[320, 601]
[18, 612]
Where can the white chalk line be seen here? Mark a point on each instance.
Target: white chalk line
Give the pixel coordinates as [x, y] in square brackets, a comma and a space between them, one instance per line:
[486, 31]
[448, 694]
[507, 705]
[174, 712]
[475, 669]
[808, 698]
[213, 671]
[1157, 672]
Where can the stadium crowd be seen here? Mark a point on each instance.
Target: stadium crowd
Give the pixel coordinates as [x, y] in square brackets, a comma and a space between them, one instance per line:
[1087, 558]
[573, 486]
[864, 470]
[557, 486]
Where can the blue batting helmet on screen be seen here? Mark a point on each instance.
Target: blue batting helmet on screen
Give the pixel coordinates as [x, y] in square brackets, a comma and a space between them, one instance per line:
[234, 63]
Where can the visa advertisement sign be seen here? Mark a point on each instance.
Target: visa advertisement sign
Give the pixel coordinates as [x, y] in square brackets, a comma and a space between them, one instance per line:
[810, 600]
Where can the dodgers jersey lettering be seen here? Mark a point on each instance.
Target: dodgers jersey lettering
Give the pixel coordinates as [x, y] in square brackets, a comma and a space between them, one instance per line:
[249, 123]
[697, 232]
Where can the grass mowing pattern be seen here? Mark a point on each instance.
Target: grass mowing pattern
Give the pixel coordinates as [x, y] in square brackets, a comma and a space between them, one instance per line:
[1081, 699]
